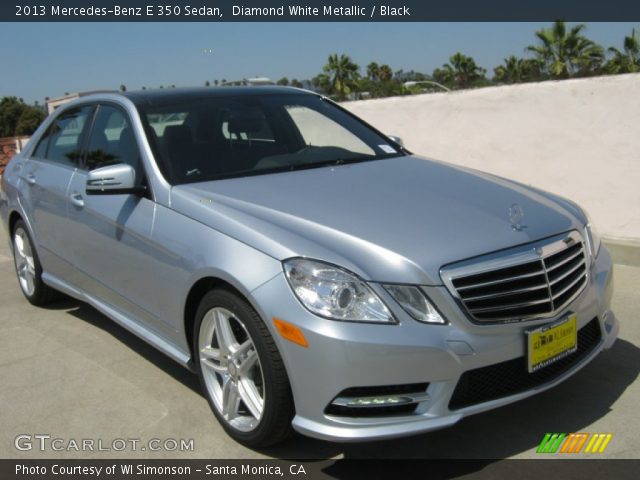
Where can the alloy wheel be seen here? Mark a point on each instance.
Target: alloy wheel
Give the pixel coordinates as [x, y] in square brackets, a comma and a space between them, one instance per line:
[25, 263]
[231, 369]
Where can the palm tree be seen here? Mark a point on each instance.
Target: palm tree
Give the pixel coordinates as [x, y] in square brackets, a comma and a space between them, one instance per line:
[565, 53]
[516, 70]
[385, 73]
[627, 61]
[461, 71]
[343, 74]
[321, 82]
[373, 70]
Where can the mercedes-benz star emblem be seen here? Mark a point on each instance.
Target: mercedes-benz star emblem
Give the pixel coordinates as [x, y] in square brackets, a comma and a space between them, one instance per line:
[516, 214]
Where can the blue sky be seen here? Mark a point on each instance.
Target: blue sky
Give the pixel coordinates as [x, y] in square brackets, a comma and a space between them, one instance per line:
[49, 59]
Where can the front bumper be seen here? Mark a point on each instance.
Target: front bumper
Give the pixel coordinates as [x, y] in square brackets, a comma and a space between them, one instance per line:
[343, 355]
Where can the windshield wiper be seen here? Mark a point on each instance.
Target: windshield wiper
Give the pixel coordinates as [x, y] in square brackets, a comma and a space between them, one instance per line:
[293, 167]
[334, 162]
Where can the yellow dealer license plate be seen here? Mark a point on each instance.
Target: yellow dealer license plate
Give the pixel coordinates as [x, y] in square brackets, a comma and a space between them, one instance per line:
[551, 342]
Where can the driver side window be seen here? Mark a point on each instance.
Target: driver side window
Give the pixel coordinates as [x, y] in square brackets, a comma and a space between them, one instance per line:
[112, 141]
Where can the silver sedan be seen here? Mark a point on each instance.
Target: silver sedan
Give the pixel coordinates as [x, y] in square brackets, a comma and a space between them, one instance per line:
[313, 272]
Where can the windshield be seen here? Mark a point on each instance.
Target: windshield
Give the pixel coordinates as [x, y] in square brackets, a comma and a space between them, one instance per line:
[232, 136]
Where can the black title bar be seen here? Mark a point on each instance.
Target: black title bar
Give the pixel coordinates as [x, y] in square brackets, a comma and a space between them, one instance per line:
[318, 11]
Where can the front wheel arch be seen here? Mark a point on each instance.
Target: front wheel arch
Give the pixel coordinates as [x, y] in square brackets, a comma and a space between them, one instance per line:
[195, 295]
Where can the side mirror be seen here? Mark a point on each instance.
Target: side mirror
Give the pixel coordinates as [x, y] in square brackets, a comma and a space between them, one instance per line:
[395, 139]
[113, 180]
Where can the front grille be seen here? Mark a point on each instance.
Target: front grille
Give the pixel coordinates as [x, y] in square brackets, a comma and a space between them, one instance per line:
[539, 282]
[511, 377]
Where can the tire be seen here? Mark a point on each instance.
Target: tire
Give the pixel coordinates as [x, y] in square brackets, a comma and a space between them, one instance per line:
[241, 371]
[28, 268]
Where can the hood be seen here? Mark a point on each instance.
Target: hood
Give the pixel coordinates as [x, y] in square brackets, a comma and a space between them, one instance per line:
[393, 220]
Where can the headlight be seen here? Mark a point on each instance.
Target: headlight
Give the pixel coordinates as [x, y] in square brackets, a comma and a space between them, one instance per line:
[334, 293]
[415, 303]
[593, 238]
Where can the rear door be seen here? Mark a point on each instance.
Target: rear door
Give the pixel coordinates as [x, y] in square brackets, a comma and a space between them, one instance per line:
[45, 179]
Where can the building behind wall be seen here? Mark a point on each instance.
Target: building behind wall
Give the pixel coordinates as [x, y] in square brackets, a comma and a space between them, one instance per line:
[10, 146]
[56, 102]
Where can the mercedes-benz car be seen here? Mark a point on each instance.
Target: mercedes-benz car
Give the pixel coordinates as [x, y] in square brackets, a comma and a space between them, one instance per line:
[313, 272]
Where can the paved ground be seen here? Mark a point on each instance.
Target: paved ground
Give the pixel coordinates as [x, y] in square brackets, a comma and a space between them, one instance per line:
[70, 372]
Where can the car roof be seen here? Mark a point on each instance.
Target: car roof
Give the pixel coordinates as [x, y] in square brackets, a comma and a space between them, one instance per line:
[171, 95]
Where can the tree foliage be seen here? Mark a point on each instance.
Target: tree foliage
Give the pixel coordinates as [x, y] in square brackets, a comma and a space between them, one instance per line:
[385, 73]
[372, 71]
[341, 75]
[460, 72]
[410, 76]
[18, 118]
[564, 52]
[627, 60]
[517, 70]
[29, 121]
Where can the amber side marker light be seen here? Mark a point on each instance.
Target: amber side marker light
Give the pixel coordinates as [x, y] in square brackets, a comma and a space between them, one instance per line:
[290, 332]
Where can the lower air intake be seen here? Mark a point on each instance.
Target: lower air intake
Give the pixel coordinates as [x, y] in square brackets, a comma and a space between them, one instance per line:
[511, 377]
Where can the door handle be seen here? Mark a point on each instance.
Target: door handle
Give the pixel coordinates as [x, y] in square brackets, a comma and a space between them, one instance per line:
[30, 178]
[77, 200]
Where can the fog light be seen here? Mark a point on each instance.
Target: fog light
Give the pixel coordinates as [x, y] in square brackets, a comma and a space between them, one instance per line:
[380, 401]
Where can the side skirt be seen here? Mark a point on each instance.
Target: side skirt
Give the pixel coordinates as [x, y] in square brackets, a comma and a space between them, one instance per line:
[121, 319]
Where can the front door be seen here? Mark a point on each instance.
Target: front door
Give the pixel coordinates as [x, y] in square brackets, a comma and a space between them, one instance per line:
[111, 234]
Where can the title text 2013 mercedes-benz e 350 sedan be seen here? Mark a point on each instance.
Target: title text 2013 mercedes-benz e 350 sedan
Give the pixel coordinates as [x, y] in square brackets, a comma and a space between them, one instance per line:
[312, 271]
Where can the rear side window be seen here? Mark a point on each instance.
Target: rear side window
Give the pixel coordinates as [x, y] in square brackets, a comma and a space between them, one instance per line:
[61, 142]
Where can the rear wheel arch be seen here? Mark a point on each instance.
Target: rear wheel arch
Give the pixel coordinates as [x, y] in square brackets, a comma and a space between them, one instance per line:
[27, 264]
[14, 216]
[17, 215]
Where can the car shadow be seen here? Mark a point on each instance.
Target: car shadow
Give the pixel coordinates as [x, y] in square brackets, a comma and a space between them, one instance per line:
[572, 406]
[93, 317]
